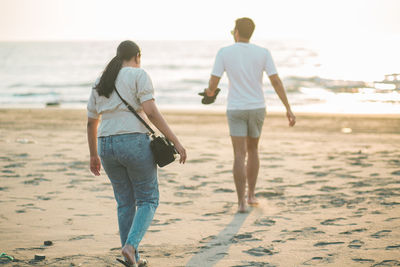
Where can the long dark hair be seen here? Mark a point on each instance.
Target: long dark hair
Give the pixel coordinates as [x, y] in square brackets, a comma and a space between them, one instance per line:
[125, 51]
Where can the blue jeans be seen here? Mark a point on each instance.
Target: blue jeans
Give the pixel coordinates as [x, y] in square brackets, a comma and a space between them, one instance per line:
[129, 164]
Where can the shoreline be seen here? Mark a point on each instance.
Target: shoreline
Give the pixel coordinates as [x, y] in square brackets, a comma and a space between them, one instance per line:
[274, 121]
[188, 111]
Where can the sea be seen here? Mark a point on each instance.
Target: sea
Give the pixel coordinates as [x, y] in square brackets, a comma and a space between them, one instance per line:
[317, 79]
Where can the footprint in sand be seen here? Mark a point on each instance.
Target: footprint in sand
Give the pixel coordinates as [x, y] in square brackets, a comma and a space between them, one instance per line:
[362, 260]
[317, 260]
[396, 172]
[15, 165]
[201, 160]
[359, 184]
[392, 219]
[332, 221]
[243, 238]
[323, 244]
[36, 181]
[187, 187]
[189, 195]
[328, 188]
[264, 222]
[223, 190]
[156, 222]
[353, 231]
[197, 177]
[386, 263]
[80, 237]
[276, 180]
[79, 165]
[254, 264]
[381, 234]
[317, 174]
[356, 244]
[390, 203]
[393, 247]
[43, 198]
[260, 251]
[208, 239]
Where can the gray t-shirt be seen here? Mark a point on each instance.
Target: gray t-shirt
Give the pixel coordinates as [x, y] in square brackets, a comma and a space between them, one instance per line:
[135, 86]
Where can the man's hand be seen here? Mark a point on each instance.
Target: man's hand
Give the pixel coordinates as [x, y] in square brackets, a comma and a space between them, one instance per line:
[209, 92]
[291, 117]
[209, 99]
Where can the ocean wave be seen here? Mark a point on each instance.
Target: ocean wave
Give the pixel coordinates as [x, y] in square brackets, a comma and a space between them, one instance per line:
[177, 67]
[295, 83]
[50, 85]
[30, 94]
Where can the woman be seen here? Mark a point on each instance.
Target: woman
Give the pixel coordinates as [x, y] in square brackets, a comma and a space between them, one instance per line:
[124, 144]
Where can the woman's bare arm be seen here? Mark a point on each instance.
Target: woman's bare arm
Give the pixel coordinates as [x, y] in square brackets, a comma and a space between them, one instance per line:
[154, 115]
[95, 163]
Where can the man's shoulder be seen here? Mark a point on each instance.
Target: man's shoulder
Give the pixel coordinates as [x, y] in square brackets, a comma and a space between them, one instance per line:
[225, 49]
[260, 48]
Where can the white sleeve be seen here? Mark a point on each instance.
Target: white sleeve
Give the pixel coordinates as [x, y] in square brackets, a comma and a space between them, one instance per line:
[91, 106]
[144, 87]
[219, 67]
[269, 67]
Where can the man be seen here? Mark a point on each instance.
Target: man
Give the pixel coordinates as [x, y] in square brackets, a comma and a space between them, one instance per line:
[244, 64]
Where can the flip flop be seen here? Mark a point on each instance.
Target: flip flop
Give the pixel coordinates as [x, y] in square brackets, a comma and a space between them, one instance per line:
[143, 263]
[5, 256]
[127, 264]
[209, 99]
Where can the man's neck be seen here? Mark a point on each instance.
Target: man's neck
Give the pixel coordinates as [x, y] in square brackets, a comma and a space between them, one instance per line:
[241, 40]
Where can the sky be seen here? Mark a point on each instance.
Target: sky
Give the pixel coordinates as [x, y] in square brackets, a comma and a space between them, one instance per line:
[196, 20]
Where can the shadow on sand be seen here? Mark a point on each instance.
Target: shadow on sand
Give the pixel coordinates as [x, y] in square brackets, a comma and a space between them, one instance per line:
[218, 248]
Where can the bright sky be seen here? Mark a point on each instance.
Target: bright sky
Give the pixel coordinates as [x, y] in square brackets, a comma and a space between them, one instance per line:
[196, 20]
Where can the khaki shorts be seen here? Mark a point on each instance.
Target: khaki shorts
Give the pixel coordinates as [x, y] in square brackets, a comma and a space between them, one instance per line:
[246, 122]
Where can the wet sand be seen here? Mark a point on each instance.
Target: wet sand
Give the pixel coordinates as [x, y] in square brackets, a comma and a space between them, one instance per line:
[328, 189]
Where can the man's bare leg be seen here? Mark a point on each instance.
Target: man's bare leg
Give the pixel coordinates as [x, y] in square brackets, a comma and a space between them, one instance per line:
[253, 165]
[239, 170]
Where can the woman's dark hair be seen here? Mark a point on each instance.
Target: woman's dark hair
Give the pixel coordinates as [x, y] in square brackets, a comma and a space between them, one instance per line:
[245, 27]
[125, 51]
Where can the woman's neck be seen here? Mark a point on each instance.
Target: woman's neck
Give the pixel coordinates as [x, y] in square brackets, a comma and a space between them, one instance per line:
[131, 63]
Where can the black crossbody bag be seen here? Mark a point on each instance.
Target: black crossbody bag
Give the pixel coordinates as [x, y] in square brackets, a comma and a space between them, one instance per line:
[163, 150]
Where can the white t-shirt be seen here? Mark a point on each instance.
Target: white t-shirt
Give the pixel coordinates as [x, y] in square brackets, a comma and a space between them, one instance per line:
[135, 86]
[244, 64]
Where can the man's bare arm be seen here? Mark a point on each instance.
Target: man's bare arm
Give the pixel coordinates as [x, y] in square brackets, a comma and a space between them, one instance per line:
[212, 85]
[280, 91]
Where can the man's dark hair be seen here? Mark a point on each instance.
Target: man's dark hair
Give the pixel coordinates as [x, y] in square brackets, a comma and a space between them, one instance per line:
[245, 27]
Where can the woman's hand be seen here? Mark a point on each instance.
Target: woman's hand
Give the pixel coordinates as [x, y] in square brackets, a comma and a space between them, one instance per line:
[182, 153]
[95, 165]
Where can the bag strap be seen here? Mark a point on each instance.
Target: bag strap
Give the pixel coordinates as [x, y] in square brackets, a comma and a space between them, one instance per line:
[135, 113]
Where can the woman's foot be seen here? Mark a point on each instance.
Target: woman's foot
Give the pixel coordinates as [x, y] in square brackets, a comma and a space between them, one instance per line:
[129, 253]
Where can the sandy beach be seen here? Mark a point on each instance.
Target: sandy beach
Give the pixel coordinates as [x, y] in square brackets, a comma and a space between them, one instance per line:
[328, 188]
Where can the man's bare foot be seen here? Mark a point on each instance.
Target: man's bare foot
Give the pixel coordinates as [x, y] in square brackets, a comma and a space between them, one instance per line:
[242, 207]
[129, 253]
[252, 200]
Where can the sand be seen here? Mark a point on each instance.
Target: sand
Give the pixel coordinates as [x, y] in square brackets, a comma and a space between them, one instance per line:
[328, 188]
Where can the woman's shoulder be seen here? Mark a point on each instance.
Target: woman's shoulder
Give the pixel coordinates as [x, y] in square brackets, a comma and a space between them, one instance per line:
[132, 70]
